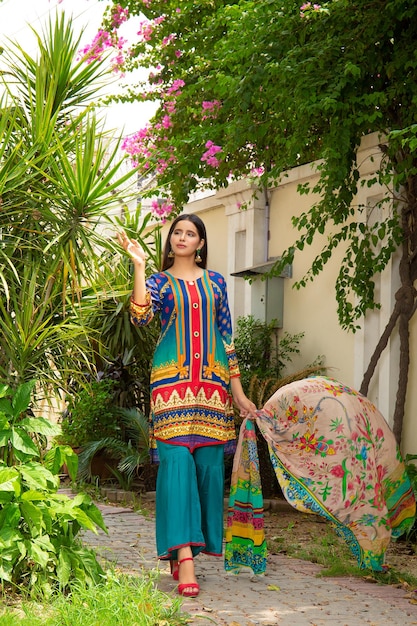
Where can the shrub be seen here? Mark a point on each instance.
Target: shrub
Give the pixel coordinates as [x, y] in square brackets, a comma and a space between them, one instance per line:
[90, 414]
[131, 453]
[259, 351]
[39, 548]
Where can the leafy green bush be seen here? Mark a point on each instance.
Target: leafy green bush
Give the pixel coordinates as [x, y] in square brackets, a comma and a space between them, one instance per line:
[113, 439]
[259, 351]
[39, 548]
[90, 414]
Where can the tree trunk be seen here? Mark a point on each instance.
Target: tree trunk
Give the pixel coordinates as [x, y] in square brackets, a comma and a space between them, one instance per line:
[381, 345]
[404, 308]
[404, 364]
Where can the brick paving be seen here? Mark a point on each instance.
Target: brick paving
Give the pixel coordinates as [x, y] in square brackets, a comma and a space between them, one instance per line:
[290, 593]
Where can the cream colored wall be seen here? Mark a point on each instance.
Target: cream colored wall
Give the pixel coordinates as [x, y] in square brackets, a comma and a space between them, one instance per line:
[311, 309]
[217, 236]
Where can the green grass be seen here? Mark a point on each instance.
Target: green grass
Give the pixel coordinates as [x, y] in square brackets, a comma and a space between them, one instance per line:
[121, 599]
[331, 552]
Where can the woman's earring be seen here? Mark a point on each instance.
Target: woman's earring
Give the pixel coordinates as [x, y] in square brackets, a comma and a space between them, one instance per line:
[171, 254]
[198, 258]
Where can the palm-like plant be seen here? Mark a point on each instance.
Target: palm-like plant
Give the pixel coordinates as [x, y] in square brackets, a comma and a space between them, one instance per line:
[109, 317]
[60, 173]
[130, 450]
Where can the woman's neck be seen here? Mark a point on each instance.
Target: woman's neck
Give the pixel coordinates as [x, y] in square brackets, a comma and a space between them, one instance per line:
[186, 270]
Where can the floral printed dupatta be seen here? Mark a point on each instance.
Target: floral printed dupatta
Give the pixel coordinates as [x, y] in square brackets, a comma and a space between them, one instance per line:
[334, 455]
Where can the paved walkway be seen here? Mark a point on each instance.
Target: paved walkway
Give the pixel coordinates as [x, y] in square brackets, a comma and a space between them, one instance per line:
[290, 594]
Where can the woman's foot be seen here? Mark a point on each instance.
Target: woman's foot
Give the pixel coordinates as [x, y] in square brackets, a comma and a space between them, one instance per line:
[174, 569]
[188, 585]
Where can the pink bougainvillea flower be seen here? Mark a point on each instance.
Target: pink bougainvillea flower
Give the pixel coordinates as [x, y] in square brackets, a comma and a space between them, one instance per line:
[209, 156]
[175, 88]
[119, 15]
[170, 107]
[101, 42]
[257, 171]
[166, 121]
[161, 208]
[209, 105]
[145, 31]
[167, 40]
[307, 8]
[210, 108]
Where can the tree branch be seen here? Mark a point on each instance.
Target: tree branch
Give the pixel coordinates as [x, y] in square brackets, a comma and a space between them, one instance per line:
[380, 346]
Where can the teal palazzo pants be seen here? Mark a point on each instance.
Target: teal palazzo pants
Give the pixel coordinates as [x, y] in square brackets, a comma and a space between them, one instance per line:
[189, 500]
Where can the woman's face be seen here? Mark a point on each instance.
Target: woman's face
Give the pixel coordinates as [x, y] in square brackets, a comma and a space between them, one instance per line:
[185, 239]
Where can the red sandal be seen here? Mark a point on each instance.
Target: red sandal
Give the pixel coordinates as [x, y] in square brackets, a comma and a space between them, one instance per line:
[195, 587]
[174, 569]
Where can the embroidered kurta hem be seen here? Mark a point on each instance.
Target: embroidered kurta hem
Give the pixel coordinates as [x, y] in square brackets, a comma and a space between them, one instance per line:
[334, 455]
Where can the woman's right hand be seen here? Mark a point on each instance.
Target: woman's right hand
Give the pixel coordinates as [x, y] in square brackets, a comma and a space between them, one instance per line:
[132, 247]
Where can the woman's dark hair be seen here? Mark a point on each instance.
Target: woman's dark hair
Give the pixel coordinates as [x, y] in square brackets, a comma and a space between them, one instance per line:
[201, 229]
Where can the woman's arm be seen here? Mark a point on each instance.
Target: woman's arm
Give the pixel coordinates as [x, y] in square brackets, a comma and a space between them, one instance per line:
[141, 310]
[137, 254]
[246, 406]
[139, 294]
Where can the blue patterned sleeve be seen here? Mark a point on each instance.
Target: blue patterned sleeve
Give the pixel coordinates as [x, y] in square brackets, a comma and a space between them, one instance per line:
[142, 314]
[224, 323]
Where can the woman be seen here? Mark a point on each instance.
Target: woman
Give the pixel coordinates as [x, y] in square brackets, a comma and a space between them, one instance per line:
[334, 455]
[194, 376]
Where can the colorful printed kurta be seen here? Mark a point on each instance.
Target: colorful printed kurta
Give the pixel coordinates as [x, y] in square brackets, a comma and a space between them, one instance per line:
[334, 455]
[191, 402]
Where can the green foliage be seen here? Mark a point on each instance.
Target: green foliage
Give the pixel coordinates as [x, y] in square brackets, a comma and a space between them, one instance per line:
[21, 435]
[130, 449]
[263, 359]
[60, 174]
[121, 350]
[39, 548]
[120, 599]
[259, 351]
[90, 414]
[289, 86]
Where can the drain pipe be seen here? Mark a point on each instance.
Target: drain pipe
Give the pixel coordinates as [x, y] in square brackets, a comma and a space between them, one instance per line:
[267, 221]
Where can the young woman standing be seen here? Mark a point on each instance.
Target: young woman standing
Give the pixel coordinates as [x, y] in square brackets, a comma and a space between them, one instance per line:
[194, 380]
